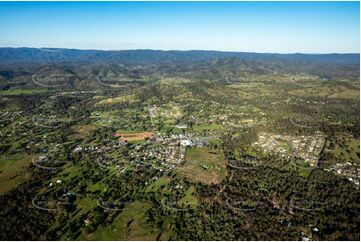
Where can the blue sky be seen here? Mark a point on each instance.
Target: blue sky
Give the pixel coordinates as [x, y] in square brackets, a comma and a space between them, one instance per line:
[279, 27]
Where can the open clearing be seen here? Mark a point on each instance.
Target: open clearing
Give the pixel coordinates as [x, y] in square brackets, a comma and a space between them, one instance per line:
[12, 171]
[207, 127]
[136, 136]
[121, 99]
[81, 131]
[327, 91]
[158, 185]
[189, 199]
[203, 165]
[130, 224]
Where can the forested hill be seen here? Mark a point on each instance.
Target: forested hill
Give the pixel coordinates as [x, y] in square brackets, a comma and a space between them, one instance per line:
[54, 55]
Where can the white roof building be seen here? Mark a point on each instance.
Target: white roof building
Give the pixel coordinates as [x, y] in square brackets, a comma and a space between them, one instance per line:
[186, 142]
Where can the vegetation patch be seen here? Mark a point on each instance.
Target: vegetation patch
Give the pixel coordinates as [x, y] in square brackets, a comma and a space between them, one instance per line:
[341, 149]
[203, 165]
[130, 224]
[121, 99]
[189, 199]
[81, 131]
[158, 185]
[21, 92]
[12, 171]
[207, 127]
[134, 136]
[97, 187]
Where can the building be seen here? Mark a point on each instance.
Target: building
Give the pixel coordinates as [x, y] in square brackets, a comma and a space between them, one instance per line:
[185, 142]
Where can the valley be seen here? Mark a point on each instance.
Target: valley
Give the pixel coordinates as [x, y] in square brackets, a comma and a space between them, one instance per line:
[164, 145]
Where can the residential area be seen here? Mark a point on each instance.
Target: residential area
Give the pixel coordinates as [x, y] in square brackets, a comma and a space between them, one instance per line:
[306, 147]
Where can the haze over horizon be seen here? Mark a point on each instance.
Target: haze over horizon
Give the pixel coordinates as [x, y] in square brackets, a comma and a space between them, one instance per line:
[261, 27]
[252, 52]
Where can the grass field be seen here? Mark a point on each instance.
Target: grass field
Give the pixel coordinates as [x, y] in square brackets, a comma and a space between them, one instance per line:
[129, 131]
[96, 187]
[156, 186]
[134, 136]
[170, 129]
[102, 119]
[68, 173]
[130, 224]
[207, 127]
[12, 171]
[81, 131]
[189, 199]
[203, 165]
[121, 99]
[327, 91]
[345, 149]
[86, 204]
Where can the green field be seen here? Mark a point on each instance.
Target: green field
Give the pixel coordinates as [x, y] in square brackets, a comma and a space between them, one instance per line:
[344, 149]
[12, 171]
[86, 204]
[189, 199]
[327, 91]
[121, 99]
[156, 186]
[69, 172]
[130, 224]
[207, 127]
[96, 187]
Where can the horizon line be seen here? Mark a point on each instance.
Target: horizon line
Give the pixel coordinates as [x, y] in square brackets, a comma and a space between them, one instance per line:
[178, 50]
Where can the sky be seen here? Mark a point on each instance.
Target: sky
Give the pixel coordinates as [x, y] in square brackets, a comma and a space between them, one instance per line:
[274, 27]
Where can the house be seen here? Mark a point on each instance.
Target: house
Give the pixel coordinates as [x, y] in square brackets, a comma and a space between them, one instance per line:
[42, 158]
[78, 149]
[186, 142]
[181, 126]
[88, 220]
